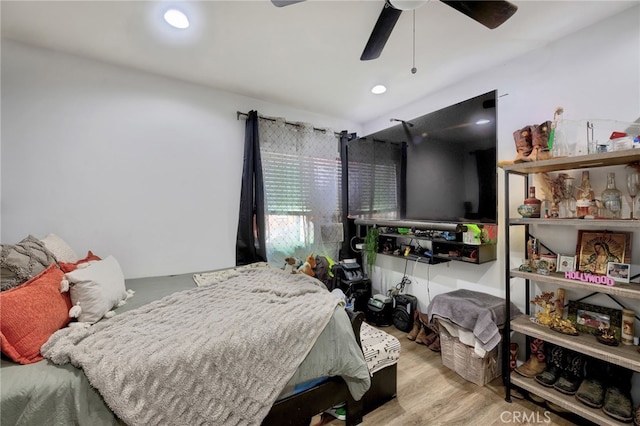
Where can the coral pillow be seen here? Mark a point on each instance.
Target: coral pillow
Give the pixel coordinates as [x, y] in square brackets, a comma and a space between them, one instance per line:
[31, 313]
[69, 267]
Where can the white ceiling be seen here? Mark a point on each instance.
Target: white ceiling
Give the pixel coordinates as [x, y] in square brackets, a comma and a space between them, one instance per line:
[306, 55]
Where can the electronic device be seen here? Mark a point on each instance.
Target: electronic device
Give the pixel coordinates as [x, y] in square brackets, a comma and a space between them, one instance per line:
[350, 271]
[431, 181]
[380, 310]
[404, 307]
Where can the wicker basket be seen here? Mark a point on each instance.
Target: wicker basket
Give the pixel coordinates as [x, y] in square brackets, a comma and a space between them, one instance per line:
[463, 360]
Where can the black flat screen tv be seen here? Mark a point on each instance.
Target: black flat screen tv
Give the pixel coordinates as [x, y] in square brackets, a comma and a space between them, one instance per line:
[440, 167]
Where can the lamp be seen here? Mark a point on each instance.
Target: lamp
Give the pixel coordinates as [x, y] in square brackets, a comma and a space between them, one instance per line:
[407, 4]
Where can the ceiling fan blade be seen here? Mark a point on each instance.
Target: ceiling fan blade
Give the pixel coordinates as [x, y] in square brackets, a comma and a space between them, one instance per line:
[491, 14]
[282, 3]
[381, 32]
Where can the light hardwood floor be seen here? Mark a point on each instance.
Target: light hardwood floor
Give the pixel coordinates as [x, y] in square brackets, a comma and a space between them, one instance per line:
[431, 394]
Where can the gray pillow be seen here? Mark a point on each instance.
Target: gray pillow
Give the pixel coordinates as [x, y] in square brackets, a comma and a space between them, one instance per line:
[23, 261]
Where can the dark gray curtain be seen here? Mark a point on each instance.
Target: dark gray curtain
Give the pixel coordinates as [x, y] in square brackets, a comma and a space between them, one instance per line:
[250, 244]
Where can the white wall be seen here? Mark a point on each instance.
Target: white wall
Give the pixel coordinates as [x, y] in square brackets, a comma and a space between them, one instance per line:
[594, 73]
[148, 168]
[123, 162]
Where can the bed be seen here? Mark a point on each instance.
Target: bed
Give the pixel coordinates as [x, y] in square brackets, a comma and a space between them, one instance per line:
[105, 392]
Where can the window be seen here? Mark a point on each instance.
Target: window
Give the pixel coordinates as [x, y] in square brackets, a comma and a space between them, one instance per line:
[302, 181]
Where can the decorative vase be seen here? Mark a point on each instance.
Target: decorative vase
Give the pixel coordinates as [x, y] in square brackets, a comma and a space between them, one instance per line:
[533, 202]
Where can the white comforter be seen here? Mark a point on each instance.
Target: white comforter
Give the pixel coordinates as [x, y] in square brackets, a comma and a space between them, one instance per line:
[218, 354]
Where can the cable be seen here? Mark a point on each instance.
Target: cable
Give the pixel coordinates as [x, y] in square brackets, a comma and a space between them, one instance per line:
[414, 69]
[428, 282]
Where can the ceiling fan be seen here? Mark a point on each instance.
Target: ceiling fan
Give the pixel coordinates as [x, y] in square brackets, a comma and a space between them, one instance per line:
[491, 14]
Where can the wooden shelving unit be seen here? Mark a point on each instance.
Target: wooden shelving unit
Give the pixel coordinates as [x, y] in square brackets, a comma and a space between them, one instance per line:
[623, 355]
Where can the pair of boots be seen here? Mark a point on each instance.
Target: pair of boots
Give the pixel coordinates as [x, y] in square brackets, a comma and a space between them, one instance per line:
[532, 142]
[607, 386]
[427, 335]
[564, 371]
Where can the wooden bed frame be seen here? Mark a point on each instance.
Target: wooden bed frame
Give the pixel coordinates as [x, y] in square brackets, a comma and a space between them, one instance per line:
[298, 409]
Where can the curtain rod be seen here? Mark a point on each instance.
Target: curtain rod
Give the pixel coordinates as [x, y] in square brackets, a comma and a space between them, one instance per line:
[244, 114]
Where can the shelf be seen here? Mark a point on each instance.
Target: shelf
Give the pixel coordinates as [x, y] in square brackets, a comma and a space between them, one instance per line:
[630, 290]
[421, 238]
[597, 223]
[604, 159]
[568, 402]
[420, 259]
[441, 247]
[623, 355]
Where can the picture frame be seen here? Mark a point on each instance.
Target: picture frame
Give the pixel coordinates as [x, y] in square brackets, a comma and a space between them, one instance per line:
[588, 318]
[595, 249]
[619, 272]
[566, 263]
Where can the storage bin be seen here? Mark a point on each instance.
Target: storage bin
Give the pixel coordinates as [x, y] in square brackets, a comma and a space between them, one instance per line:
[463, 360]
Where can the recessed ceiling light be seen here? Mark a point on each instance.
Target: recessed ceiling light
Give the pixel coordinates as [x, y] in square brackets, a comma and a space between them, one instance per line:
[483, 121]
[378, 89]
[176, 19]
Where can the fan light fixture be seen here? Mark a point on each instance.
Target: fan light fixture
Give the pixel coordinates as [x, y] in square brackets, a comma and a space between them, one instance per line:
[176, 19]
[407, 4]
[378, 89]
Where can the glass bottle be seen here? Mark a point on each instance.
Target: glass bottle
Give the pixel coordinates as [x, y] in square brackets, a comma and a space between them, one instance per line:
[612, 198]
[534, 202]
[586, 191]
[559, 145]
[585, 196]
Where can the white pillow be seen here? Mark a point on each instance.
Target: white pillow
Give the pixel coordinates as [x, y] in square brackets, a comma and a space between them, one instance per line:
[97, 288]
[60, 249]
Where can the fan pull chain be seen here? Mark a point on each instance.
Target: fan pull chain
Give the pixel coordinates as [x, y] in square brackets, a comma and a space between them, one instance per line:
[414, 69]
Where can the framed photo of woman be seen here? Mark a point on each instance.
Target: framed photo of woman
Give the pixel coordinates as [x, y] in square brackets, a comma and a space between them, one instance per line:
[596, 249]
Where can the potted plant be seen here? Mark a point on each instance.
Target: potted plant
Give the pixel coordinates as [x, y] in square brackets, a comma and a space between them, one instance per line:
[371, 247]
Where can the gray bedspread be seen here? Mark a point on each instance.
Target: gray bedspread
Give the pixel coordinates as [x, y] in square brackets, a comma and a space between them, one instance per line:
[27, 399]
[479, 312]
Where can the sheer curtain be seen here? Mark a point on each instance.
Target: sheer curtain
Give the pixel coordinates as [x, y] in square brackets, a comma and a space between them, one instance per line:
[302, 180]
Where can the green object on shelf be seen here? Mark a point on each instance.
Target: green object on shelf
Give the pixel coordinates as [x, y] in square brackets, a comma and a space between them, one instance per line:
[371, 245]
[403, 231]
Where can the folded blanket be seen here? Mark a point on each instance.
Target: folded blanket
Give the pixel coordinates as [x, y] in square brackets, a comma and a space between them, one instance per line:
[218, 354]
[479, 312]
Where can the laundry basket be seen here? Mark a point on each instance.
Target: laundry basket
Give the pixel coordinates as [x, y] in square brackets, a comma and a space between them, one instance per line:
[463, 360]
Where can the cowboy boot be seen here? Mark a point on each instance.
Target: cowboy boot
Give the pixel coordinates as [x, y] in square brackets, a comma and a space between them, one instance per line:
[540, 142]
[428, 334]
[536, 362]
[416, 327]
[522, 138]
[617, 397]
[591, 390]
[513, 356]
[554, 367]
[572, 373]
[422, 337]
